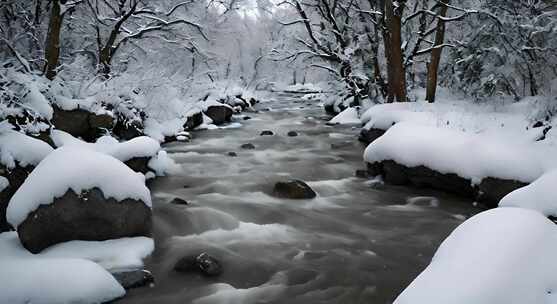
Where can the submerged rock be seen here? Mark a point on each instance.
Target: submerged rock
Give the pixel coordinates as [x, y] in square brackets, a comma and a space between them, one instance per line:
[292, 133]
[232, 154]
[134, 278]
[248, 146]
[293, 189]
[179, 201]
[87, 216]
[202, 263]
[266, 132]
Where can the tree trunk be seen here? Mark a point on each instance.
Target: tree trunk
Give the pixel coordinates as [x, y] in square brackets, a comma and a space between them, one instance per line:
[52, 44]
[433, 65]
[393, 42]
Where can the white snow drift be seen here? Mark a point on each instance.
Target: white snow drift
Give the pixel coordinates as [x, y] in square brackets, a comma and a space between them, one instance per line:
[500, 256]
[77, 169]
[28, 278]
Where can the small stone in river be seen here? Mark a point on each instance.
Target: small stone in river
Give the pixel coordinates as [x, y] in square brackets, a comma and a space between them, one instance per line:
[292, 133]
[202, 263]
[232, 154]
[134, 278]
[362, 173]
[293, 189]
[247, 118]
[267, 132]
[248, 146]
[179, 201]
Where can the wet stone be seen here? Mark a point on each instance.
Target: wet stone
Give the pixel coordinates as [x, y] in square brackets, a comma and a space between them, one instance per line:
[267, 132]
[202, 263]
[292, 133]
[248, 146]
[232, 154]
[293, 189]
[134, 278]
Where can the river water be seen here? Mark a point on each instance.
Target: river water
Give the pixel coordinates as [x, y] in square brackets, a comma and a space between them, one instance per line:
[357, 242]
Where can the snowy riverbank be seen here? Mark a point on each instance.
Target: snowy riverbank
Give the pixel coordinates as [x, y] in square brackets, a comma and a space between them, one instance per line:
[503, 154]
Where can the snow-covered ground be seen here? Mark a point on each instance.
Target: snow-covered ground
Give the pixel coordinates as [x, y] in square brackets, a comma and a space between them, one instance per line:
[72, 272]
[501, 256]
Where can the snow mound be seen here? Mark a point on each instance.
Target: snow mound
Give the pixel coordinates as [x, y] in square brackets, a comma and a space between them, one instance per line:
[539, 195]
[500, 256]
[77, 169]
[142, 146]
[471, 156]
[160, 130]
[504, 121]
[163, 164]
[350, 116]
[28, 278]
[19, 148]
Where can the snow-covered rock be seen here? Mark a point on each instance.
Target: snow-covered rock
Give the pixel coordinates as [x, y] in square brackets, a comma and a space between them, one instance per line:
[539, 195]
[29, 278]
[19, 149]
[19, 154]
[135, 152]
[77, 193]
[471, 156]
[500, 256]
[219, 113]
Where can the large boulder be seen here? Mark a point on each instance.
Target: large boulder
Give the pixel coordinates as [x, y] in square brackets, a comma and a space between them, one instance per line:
[79, 194]
[219, 113]
[82, 123]
[293, 189]
[193, 120]
[87, 216]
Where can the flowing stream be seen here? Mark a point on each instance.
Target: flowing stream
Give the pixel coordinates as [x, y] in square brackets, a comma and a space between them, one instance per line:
[358, 242]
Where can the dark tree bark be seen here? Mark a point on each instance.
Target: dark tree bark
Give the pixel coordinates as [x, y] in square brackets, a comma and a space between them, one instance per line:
[393, 51]
[52, 44]
[433, 65]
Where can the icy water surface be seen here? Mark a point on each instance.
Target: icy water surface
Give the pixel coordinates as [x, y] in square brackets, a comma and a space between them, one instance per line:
[354, 243]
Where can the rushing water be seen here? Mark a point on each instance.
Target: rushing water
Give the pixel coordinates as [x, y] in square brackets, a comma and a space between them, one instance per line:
[357, 242]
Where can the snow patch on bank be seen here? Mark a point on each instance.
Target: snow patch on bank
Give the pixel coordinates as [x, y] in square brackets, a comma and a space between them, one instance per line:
[113, 255]
[28, 278]
[77, 169]
[500, 256]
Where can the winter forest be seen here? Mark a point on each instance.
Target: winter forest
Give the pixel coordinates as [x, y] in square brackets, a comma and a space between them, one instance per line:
[278, 151]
